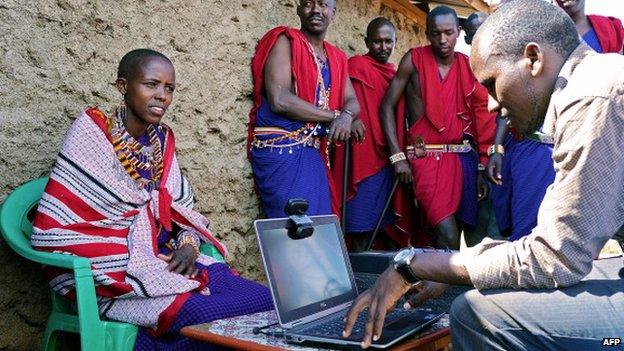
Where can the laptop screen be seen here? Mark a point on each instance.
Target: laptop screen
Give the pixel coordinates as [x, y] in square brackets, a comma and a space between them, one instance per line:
[307, 276]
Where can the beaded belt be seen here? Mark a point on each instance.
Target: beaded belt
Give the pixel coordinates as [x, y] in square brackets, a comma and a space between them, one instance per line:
[432, 149]
[303, 136]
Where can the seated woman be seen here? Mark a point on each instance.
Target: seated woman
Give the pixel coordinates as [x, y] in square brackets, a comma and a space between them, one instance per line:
[116, 196]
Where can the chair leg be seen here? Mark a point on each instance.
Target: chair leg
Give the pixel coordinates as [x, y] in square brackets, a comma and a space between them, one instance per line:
[49, 339]
[121, 336]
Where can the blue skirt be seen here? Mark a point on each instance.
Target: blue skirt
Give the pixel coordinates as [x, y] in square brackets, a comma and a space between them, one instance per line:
[527, 172]
[230, 296]
[285, 173]
[364, 209]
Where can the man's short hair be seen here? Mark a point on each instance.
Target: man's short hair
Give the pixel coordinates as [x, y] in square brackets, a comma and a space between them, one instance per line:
[475, 17]
[376, 24]
[520, 22]
[131, 62]
[333, 1]
[440, 11]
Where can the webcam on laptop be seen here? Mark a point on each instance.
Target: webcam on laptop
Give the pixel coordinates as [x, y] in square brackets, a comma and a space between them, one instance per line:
[299, 224]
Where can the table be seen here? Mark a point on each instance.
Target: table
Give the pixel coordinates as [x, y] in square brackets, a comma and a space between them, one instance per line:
[236, 333]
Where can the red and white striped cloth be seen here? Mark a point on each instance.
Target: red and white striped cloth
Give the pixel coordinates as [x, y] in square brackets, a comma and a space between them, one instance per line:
[92, 208]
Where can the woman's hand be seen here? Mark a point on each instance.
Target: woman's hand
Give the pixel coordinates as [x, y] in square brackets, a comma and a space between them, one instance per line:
[182, 261]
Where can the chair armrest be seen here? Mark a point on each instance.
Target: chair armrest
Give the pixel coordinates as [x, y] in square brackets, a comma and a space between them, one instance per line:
[23, 248]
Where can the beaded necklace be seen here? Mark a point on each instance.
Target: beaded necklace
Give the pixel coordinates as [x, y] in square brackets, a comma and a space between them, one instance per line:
[323, 99]
[309, 130]
[135, 156]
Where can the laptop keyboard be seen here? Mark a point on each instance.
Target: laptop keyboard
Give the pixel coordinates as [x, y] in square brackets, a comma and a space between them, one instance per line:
[334, 326]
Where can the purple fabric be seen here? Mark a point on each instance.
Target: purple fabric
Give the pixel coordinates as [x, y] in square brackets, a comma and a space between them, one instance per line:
[527, 172]
[592, 40]
[468, 210]
[145, 140]
[364, 209]
[230, 296]
[285, 173]
[281, 175]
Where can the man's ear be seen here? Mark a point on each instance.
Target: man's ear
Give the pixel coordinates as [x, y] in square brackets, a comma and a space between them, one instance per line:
[122, 85]
[534, 58]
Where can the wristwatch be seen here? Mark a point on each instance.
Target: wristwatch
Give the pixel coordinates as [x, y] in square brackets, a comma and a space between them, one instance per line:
[402, 262]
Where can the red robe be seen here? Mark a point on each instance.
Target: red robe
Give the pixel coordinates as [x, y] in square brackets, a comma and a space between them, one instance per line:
[304, 73]
[370, 81]
[609, 31]
[454, 106]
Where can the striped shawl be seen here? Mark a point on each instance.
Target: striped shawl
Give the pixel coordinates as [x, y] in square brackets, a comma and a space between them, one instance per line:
[92, 208]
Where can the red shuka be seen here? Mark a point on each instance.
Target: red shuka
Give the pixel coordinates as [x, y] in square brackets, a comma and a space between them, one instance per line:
[370, 81]
[609, 31]
[305, 75]
[454, 106]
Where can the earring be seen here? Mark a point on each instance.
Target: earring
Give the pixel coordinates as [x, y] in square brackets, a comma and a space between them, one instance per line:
[121, 109]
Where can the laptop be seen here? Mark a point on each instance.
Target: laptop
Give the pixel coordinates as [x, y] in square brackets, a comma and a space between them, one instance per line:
[313, 286]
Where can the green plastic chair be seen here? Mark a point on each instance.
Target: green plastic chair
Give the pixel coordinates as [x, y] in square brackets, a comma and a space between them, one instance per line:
[82, 316]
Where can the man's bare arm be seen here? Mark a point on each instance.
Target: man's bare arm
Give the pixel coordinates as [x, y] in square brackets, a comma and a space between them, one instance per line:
[495, 164]
[387, 114]
[391, 99]
[278, 85]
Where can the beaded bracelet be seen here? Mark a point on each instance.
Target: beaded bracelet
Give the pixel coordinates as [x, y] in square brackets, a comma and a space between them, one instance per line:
[187, 239]
[399, 156]
[496, 149]
[349, 112]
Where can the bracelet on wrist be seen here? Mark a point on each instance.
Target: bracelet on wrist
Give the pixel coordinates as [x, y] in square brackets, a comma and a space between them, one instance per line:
[188, 240]
[480, 167]
[349, 112]
[496, 149]
[399, 156]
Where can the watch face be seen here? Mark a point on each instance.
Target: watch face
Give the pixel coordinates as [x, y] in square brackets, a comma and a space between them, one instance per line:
[402, 255]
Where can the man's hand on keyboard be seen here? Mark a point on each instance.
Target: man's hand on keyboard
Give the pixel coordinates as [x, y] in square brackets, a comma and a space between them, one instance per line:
[380, 299]
[422, 292]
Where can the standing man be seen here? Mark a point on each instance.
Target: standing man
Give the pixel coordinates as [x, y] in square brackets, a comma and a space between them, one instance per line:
[473, 22]
[601, 33]
[543, 291]
[370, 175]
[447, 113]
[301, 87]
[516, 195]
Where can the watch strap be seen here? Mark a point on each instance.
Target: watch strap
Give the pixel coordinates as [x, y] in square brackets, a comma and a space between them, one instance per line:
[406, 272]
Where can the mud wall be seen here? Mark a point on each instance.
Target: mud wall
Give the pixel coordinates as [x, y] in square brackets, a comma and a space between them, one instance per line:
[59, 56]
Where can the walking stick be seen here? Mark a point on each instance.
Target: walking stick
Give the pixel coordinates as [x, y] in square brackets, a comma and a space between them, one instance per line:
[345, 185]
[383, 214]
